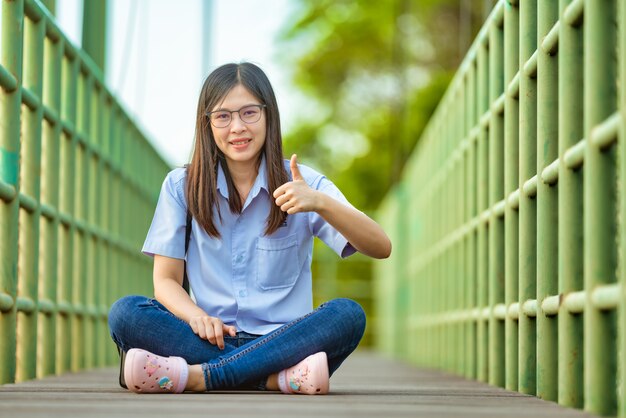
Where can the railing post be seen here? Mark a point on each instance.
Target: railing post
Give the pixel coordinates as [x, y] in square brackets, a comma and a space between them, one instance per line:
[571, 271]
[482, 299]
[496, 194]
[12, 28]
[471, 212]
[80, 328]
[50, 196]
[94, 31]
[402, 287]
[600, 46]
[50, 5]
[461, 267]
[527, 204]
[67, 233]
[29, 220]
[511, 184]
[547, 205]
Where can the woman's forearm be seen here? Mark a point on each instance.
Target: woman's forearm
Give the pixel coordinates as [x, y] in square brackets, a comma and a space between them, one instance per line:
[172, 295]
[365, 235]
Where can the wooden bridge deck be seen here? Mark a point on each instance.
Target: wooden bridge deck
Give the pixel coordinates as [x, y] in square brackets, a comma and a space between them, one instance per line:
[367, 385]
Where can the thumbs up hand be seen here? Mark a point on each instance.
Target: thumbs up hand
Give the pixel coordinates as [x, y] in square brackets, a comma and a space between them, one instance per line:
[295, 171]
[365, 235]
[296, 195]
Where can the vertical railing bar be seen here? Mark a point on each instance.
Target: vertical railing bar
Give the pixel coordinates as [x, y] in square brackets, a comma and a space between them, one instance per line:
[438, 260]
[70, 71]
[81, 239]
[463, 216]
[496, 193]
[401, 271]
[98, 239]
[483, 189]
[527, 205]
[459, 221]
[102, 335]
[105, 356]
[29, 224]
[452, 304]
[456, 259]
[547, 206]
[426, 272]
[418, 235]
[10, 114]
[511, 183]
[452, 256]
[472, 281]
[50, 235]
[446, 256]
[570, 184]
[91, 237]
[600, 254]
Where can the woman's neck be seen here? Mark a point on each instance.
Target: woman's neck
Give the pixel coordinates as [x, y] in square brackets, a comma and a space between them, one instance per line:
[243, 176]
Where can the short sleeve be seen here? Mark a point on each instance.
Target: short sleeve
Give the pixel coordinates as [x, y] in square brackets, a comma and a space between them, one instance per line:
[166, 235]
[322, 229]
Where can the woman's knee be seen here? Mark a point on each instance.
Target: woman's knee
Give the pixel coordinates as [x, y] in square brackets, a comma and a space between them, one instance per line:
[122, 310]
[351, 312]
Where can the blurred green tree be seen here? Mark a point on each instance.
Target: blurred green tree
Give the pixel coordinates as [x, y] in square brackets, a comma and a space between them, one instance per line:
[373, 72]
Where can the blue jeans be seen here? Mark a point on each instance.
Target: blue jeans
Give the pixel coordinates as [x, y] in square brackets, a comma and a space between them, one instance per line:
[336, 327]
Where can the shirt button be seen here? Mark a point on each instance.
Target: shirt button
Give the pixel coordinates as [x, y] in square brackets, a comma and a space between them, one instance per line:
[238, 258]
[242, 293]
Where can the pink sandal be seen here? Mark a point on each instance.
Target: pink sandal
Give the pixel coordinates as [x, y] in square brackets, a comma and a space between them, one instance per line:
[145, 372]
[309, 377]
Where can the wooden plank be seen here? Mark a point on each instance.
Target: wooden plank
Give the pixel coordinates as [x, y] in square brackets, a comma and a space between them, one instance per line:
[367, 385]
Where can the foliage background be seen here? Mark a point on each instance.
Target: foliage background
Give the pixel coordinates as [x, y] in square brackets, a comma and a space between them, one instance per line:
[372, 73]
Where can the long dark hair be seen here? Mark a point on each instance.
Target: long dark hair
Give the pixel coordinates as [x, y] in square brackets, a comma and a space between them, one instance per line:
[202, 171]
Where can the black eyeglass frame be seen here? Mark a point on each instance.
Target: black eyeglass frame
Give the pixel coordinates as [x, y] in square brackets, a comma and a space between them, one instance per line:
[260, 106]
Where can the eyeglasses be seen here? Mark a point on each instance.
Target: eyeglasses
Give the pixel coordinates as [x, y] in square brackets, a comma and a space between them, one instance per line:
[248, 114]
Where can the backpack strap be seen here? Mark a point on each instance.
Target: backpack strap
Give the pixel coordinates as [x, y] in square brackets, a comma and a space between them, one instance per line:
[187, 238]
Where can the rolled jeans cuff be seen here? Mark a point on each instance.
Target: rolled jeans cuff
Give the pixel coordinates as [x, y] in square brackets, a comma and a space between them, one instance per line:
[205, 372]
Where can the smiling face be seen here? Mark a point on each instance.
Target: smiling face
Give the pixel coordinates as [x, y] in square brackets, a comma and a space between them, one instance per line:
[240, 142]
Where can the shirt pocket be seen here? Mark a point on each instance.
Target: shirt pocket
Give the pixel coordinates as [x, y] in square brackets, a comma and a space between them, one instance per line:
[277, 262]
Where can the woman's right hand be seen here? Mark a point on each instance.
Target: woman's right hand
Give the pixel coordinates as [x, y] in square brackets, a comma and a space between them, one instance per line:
[212, 329]
[168, 280]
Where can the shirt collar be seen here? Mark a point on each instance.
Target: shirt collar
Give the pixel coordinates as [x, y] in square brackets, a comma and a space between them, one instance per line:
[259, 183]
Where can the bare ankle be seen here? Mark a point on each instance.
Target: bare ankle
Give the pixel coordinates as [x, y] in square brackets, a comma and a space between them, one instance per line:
[272, 382]
[195, 382]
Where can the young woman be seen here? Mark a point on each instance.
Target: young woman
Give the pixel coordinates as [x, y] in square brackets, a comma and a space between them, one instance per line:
[255, 215]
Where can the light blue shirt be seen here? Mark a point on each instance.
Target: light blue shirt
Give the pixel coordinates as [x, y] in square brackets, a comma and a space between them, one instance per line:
[254, 282]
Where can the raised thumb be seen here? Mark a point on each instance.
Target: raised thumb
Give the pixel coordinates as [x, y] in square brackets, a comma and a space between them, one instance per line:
[295, 172]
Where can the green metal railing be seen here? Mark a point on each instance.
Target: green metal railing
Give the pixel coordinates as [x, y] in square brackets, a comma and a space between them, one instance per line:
[78, 186]
[509, 262]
